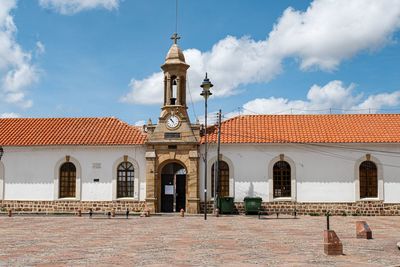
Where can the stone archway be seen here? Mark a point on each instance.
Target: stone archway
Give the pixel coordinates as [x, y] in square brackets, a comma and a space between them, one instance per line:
[156, 160]
[173, 187]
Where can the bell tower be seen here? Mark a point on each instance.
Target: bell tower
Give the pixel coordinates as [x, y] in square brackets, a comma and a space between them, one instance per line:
[173, 140]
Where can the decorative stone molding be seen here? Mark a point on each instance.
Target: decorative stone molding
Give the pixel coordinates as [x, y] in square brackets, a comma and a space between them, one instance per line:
[357, 178]
[271, 178]
[136, 183]
[73, 160]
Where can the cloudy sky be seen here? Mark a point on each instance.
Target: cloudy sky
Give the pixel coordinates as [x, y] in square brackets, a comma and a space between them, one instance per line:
[96, 58]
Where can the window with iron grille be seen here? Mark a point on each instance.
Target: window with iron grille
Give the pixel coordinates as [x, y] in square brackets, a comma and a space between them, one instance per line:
[282, 181]
[125, 179]
[223, 188]
[67, 182]
[368, 179]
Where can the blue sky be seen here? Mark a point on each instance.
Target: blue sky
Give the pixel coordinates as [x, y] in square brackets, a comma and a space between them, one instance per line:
[95, 58]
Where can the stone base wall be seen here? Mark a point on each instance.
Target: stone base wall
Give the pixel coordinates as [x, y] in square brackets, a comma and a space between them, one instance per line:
[364, 208]
[18, 206]
[359, 208]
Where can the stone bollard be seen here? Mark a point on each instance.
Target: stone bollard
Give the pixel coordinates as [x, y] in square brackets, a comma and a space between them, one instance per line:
[79, 213]
[398, 245]
[10, 213]
[332, 243]
[113, 213]
[147, 212]
[216, 212]
[182, 213]
[362, 230]
[90, 213]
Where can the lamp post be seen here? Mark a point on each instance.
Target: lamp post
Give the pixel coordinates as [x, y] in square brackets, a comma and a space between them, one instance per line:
[206, 85]
[1, 152]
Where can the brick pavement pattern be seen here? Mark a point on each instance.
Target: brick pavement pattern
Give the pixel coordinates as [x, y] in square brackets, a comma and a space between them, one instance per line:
[191, 241]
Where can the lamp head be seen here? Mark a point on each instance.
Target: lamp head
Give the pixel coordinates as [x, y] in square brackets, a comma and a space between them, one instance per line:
[206, 85]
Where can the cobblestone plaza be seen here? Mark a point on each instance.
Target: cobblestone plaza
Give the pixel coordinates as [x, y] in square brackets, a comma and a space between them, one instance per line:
[191, 241]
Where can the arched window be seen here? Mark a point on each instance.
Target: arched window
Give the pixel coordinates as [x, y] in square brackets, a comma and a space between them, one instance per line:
[223, 179]
[368, 179]
[67, 180]
[125, 179]
[282, 179]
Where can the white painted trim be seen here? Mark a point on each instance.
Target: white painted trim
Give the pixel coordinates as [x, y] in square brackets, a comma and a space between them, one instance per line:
[292, 176]
[357, 179]
[78, 194]
[231, 174]
[135, 181]
[2, 174]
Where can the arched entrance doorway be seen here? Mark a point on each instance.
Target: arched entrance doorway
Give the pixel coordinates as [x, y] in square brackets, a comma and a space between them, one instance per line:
[173, 187]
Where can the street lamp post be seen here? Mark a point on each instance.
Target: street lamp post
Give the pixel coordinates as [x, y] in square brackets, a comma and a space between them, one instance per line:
[206, 85]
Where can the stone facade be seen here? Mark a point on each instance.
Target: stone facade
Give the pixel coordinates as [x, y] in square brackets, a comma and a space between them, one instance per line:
[360, 208]
[18, 206]
[173, 143]
[185, 155]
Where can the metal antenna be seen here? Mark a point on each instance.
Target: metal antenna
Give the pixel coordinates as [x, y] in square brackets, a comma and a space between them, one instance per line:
[176, 17]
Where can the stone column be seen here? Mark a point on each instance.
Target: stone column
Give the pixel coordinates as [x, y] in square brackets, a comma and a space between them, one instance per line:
[151, 198]
[193, 183]
[178, 91]
[169, 90]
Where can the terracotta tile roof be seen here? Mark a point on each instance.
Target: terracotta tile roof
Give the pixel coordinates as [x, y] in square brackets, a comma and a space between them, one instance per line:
[68, 131]
[351, 128]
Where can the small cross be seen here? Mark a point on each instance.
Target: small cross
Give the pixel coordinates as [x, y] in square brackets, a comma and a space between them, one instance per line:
[175, 37]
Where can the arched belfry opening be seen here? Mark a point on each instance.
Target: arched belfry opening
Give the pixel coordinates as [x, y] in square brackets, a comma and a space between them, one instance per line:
[173, 187]
[174, 90]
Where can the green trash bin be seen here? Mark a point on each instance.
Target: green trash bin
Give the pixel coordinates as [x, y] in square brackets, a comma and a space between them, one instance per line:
[252, 205]
[225, 205]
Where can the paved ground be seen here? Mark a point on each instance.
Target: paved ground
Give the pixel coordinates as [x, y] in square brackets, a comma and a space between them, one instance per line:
[166, 240]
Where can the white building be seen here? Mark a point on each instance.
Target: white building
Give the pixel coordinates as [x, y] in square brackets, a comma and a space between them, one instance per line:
[343, 163]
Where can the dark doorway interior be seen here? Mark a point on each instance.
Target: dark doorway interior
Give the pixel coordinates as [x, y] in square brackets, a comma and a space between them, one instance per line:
[173, 188]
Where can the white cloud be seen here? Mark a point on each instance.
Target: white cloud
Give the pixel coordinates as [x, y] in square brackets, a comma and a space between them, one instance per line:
[140, 123]
[334, 96]
[9, 115]
[16, 70]
[69, 7]
[321, 37]
[40, 48]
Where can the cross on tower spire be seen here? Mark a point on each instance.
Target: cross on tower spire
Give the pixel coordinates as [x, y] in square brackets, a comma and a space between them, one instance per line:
[175, 37]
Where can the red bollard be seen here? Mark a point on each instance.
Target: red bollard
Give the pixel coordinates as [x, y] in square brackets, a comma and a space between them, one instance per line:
[182, 213]
[79, 213]
[10, 213]
[113, 213]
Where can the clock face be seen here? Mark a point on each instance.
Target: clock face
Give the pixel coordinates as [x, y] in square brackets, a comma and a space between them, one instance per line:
[172, 121]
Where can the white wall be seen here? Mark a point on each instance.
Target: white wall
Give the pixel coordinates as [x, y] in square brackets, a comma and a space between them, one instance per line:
[31, 173]
[322, 173]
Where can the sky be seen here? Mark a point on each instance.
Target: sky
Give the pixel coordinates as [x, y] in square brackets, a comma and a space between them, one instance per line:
[102, 58]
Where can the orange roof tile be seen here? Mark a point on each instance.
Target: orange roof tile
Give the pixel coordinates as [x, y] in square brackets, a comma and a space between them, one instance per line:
[68, 131]
[346, 128]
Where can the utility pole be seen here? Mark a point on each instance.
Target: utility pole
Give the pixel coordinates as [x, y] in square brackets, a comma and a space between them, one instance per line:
[216, 174]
